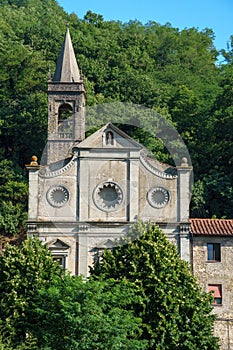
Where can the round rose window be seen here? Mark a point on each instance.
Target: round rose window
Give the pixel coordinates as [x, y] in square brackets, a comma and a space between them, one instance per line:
[108, 196]
[57, 196]
[158, 197]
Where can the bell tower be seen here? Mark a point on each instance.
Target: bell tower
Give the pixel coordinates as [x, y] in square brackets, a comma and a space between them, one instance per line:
[66, 105]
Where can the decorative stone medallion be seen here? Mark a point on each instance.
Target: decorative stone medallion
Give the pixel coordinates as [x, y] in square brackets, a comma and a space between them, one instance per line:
[158, 197]
[57, 196]
[108, 196]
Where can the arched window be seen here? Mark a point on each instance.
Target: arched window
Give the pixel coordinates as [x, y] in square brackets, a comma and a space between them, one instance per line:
[65, 121]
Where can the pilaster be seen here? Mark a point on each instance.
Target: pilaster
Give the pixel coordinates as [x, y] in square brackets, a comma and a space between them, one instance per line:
[184, 191]
[33, 169]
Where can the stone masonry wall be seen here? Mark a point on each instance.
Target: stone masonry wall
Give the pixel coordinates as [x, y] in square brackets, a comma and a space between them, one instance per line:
[214, 272]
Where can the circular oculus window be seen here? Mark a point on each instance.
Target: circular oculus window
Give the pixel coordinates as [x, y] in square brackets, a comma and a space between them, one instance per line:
[57, 196]
[158, 197]
[108, 196]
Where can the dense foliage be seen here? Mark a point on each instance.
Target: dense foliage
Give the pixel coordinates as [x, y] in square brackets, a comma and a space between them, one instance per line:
[170, 71]
[141, 295]
[22, 273]
[174, 310]
[41, 307]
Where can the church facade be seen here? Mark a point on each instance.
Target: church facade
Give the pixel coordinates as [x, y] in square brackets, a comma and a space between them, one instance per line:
[89, 191]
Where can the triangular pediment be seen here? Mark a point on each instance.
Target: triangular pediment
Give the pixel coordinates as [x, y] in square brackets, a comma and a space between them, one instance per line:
[109, 244]
[57, 244]
[109, 136]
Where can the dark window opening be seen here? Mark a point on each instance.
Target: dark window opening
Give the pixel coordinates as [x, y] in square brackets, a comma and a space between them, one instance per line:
[98, 252]
[60, 260]
[65, 121]
[214, 251]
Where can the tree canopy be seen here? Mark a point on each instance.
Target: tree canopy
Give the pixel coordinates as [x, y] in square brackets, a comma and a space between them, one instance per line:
[140, 295]
[174, 310]
[42, 307]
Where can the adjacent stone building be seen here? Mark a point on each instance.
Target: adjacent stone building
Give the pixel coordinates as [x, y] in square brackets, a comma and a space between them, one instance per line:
[212, 256]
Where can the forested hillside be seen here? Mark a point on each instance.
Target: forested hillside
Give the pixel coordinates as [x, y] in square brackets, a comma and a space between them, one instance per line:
[170, 71]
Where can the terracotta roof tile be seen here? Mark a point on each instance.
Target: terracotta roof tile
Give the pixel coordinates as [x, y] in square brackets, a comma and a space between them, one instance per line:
[215, 227]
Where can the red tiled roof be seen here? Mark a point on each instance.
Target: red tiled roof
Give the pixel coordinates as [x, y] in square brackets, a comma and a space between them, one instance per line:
[215, 227]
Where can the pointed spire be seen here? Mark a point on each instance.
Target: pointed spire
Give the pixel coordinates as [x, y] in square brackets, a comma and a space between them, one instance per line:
[67, 68]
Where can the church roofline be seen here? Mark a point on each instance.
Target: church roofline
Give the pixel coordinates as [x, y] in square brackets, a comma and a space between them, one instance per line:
[82, 145]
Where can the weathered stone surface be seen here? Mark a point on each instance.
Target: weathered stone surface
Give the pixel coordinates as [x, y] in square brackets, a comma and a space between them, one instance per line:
[214, 272]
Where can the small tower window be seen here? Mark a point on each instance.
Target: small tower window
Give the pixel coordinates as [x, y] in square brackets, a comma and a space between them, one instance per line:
[65, 121]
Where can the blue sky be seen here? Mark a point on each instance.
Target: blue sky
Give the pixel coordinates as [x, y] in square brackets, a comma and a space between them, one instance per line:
[214, 14]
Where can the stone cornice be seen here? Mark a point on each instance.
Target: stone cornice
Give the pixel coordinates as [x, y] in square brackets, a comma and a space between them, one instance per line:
[153, 170]
[44, 173]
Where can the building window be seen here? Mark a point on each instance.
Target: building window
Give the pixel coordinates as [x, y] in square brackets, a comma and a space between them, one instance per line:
[65, 121]
[61, 260]
[214, 251]
[108, 196]
[216, 290]
[97, 254]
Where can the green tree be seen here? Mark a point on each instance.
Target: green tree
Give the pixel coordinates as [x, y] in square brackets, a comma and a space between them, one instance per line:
[72, 314]
[13, 199]
[217, 179]
[41, 304]
[6, 342]
[228, 54]
[23, 271]
[175, 310]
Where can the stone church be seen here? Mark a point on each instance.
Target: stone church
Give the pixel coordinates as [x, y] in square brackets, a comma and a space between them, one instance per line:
[88, 191]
